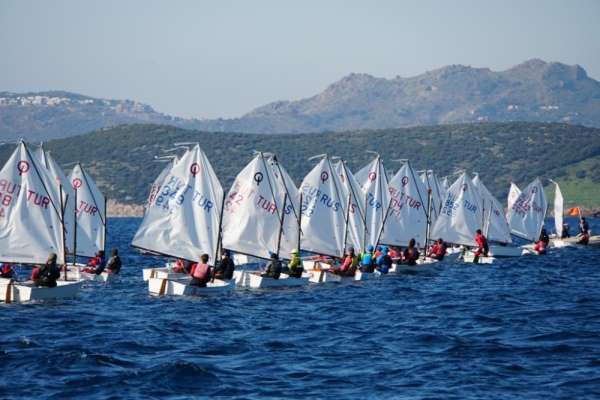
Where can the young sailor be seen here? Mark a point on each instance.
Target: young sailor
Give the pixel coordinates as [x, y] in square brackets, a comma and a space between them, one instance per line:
[226, 267]
[273, 268]
[295, 266]
[97, 264]
[384, 261]
[565, 231]
[349, 264]
[411, 254]
[544, 237]
[48, 273]
[367, 261]
[201, 272]
[6, 271]
[540, 246]
[438, 250]
[583, 225]
[482, 246]
[113, 266]
[585, 238]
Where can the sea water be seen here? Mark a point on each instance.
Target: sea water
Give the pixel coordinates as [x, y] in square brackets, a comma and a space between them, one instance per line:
[527, 327]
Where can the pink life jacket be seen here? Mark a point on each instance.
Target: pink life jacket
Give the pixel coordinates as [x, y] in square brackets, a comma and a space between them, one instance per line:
[201, 271]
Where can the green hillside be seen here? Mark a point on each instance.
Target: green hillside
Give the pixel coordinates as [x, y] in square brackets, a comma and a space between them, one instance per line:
[121, 158]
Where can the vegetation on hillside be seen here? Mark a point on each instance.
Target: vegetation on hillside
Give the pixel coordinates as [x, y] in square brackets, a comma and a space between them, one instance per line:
[122, 158]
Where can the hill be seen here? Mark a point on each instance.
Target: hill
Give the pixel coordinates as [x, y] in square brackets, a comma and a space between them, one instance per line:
[532, 91]
[121, 158]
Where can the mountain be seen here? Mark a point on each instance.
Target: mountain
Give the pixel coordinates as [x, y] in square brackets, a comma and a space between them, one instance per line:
[121, 159]
[532, 91]
[47, 115]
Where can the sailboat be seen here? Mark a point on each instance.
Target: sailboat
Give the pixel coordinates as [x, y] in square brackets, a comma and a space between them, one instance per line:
[433, 185]
[374, 182]
[352, 190]
[90, 220]
[324, 218]
[526, 216]
[461, 215]
[408, 213]
[184, 221]
[495, 227]
[32, 225]
[261, 217]
[513, 195]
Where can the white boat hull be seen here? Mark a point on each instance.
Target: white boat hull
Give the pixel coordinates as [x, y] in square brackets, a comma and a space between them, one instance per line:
[166, 287]
[505, 251]
[21, 292]
[422, 264]
[162, 273]
[469, 258]
[254, 280]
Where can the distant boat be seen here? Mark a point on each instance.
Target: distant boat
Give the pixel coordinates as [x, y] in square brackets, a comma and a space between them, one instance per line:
[528, 211]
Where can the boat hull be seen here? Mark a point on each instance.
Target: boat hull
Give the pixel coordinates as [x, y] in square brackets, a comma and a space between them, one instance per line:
[505, 251]
[21, 292]
[167, 287]
[256, 281]
[162, 273]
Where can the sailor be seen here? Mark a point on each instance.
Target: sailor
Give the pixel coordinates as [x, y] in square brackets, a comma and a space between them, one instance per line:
[6, 271]
[395, 254]
[113, 266]
[226, 267]
[384, 261]
[349, 264]
[482, 246]
[367, 261]
[583, 225]
[201, 272]
[273, 267]
[97, 264]
[411, 254]
[544, 237]
[540, 246]
[295, 266]
[48, 273]
[438, 250]
[584, 238]
[565, 231]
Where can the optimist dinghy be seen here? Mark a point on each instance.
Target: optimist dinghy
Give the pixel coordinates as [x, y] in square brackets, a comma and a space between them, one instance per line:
[183, 220]
[260, 218]
[32, 225]
[526, 216]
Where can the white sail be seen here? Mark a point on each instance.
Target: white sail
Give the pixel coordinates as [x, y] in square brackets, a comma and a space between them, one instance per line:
[183, 219]
[513, 195]
[558, 211]
[323, 211]
[354, 197]
[91, 213]
[445, 186]
[282, 184]
[407, 214]
[461, 214]
[432, 183]
[156, 186]
[68, 201]
[494, 221]
[526, 216]
[253, 211]
[374, 183]
[30, 211]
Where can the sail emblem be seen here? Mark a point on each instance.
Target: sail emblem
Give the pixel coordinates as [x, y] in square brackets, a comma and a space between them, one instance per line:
[324, 176]
[77, 183]
[404, 180]
[258, 177]
[464, 187]
[372, 176]
[23, 167]
[534, 189]
[194, 169]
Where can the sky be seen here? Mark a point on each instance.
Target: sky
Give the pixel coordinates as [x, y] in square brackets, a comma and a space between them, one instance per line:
[210, 59]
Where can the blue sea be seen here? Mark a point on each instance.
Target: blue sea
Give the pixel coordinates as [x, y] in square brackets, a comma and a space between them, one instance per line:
[525, 328]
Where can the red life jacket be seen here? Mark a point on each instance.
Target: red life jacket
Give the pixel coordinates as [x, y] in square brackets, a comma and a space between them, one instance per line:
[35, 273]
[481, 241]
[201, 271]
[540, 246]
